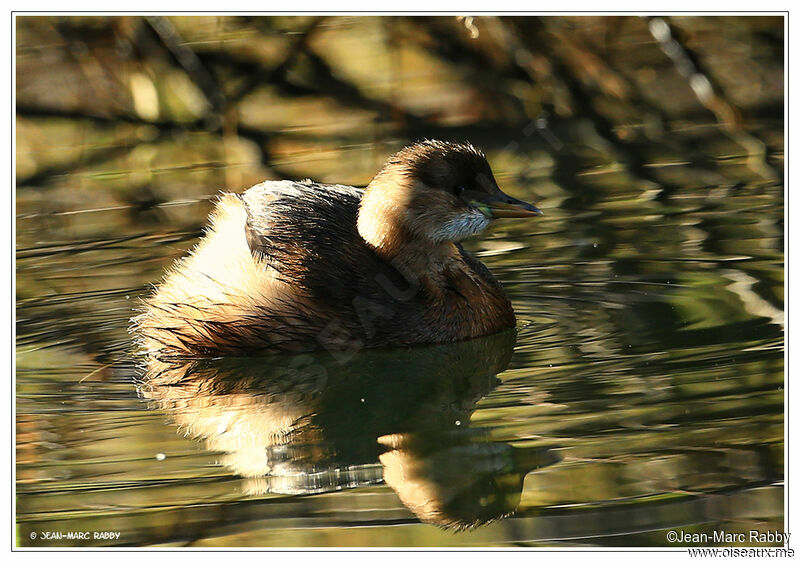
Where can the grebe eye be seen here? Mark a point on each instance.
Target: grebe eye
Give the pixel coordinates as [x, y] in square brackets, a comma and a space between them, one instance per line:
[460, 190]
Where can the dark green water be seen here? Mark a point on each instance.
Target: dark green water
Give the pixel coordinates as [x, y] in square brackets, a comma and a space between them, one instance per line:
[642, 391]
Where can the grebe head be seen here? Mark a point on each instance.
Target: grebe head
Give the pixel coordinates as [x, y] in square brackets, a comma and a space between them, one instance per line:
[436, 192]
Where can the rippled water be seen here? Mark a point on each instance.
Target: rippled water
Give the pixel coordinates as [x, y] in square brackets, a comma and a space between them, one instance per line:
[656, 378]
[642, 391]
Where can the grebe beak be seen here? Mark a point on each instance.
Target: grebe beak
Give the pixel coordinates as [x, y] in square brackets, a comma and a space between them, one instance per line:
[502, 205]
[513, 208]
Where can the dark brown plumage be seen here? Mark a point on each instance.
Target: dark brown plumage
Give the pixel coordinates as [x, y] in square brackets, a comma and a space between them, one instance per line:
[293, 266]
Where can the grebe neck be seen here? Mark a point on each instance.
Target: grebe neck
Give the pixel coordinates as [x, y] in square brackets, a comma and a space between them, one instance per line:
[382, 224]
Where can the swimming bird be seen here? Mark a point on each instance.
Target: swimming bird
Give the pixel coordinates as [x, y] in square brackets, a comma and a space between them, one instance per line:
[296, 266]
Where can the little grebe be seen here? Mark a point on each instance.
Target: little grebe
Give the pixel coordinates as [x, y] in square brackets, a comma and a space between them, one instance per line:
[293, 266]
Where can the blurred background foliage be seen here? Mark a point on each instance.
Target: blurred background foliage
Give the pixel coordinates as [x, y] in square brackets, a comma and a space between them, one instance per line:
[649, 296]
[196, 103]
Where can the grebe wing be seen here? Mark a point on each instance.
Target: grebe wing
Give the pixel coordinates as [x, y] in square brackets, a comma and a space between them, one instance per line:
[283, 217]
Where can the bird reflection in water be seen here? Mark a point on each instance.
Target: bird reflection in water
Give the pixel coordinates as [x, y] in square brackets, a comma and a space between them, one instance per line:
[311, 424]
